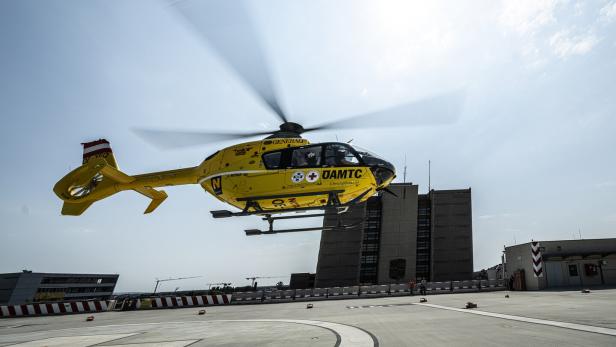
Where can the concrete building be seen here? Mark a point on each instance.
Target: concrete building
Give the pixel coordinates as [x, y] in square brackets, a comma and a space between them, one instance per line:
[452, 236]
[28, 287]
[404, 237]
[564, 263]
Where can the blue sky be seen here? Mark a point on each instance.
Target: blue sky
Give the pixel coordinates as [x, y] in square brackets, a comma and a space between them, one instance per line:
[535, 139]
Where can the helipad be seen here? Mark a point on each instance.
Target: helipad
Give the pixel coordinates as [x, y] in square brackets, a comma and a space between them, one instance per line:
[526, 318]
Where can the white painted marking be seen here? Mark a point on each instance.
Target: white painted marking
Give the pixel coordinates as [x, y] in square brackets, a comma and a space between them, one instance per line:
[96, 148]
[74, 341]
[297, 177]
[312, 176]
[158, 344]
[574, 326]
[349, 335]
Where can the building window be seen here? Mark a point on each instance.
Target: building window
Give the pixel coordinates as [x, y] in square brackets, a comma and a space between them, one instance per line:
[397, 269]
[591, 269]
[573, 270]
[368, 259]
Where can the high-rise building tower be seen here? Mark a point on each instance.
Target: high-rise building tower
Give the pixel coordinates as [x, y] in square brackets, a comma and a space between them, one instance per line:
[404, 237]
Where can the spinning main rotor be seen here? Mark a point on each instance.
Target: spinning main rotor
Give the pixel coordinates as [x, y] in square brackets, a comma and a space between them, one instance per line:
[227, 28]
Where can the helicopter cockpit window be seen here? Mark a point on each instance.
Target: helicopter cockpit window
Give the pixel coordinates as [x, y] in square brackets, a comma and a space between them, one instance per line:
[272, 160]
[339, 155]
[306, 157]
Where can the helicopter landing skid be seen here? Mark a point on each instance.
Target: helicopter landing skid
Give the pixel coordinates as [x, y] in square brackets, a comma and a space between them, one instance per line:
[254, 232]
[253, 208]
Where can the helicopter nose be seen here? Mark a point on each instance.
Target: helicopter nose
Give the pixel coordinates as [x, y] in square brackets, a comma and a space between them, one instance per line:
[384, 172]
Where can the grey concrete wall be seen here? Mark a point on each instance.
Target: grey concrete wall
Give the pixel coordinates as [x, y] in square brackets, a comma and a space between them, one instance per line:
[7, 285]
[520, 257]
[25, 288]
[452, 235]
[566, 247]
[558, 256]
[398, 232]
[339, 254]
[609, 270]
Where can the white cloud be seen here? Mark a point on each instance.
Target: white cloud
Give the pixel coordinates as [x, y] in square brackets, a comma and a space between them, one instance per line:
[565, 44]
[608, 12]
[527, 17]
[499, 215]
[610, 218]
[606, 184]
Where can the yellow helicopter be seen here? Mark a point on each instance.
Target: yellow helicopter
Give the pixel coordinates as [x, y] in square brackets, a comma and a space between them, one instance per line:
[278, 174]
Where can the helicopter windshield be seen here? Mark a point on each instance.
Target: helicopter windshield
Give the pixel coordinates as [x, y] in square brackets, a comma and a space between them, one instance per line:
[368, 157]
[382, 170]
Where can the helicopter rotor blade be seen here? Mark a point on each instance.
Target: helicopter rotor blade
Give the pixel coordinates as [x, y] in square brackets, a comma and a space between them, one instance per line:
[227, 26]
[440, 109]
[171, 139]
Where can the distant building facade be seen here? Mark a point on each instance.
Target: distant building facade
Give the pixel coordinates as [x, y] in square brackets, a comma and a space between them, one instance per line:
[404, 237]
[29, 287]
[563, 263]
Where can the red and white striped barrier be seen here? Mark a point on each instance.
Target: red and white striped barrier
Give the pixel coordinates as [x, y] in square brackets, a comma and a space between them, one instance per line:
[52, 308]
[198, 300]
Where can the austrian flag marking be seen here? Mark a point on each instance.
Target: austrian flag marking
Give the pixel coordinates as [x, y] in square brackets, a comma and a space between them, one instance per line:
[537, 259]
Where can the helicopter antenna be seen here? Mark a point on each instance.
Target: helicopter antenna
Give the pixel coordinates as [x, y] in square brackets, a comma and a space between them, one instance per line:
[404, 175]
[350, 140]
[337, 138]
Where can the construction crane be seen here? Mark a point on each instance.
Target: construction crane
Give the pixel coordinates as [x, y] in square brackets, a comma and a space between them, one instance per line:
[257, 277]
[223, 284]
[172, 279]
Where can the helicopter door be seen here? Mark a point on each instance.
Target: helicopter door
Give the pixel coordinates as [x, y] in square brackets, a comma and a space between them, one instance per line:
[337, 154]
[304, 167]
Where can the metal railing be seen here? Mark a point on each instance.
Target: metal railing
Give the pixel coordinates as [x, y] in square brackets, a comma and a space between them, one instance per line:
[382, 290]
